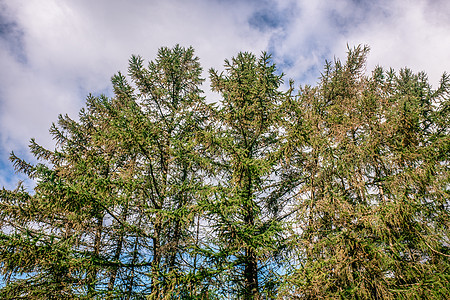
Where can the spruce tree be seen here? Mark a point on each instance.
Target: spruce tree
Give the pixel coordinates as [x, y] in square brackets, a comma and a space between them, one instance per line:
[339, 191]
[113, 211]
[161, 122]
[373, 211]
[245, 142]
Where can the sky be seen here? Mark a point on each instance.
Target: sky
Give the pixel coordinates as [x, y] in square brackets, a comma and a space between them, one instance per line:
[53, 53]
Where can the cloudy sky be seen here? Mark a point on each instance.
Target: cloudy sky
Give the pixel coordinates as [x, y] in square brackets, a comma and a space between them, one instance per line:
[54, 52]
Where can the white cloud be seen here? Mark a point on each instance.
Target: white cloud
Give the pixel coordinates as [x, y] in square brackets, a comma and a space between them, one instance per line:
[400, 33]
[71, 48]
[54, 52]
[413, 35]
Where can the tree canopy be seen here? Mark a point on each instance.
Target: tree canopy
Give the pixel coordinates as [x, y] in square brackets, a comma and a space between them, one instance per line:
[338, 190]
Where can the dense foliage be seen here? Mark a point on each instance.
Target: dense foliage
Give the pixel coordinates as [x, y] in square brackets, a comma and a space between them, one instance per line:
[334, 191]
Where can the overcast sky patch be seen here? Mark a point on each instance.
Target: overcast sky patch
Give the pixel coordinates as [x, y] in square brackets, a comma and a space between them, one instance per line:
[53, 53]
[11, 36]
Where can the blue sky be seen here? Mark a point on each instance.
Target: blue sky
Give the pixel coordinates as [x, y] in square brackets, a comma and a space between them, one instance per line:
[54, 52]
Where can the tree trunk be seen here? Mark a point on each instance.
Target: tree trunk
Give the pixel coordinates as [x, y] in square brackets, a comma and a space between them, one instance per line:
[92, 276]
[250, 260]
[155, 286]
[251, 275]
[117, 252]
[133, 262]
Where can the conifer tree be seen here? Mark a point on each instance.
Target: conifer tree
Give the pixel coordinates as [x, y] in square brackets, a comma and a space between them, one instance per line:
[113, 210]
[246, 142]
[55, 243]
[341, 191]
[161, 122]
[373, 210]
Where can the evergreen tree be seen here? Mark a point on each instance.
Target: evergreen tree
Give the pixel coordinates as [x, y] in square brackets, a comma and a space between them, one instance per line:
[373, 212]
[161, 123]
[54, 245]
[245, 142]
[341, 191]
[116, 200]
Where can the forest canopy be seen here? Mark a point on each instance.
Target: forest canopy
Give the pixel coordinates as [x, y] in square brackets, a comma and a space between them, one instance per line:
[335, 191]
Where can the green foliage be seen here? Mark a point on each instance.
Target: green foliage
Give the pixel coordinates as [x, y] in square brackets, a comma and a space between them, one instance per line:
[113, 211]
[245, 142]
[340, 190]
[374, 210]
